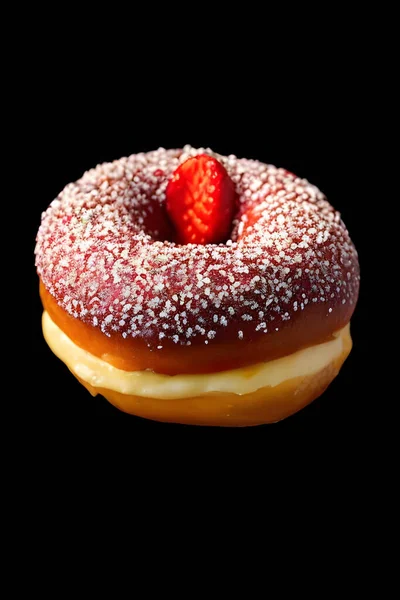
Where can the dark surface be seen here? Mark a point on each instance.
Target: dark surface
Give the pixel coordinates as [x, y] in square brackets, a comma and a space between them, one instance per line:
[310, 139]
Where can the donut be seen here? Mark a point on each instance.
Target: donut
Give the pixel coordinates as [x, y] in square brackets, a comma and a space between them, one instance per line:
[244, 325]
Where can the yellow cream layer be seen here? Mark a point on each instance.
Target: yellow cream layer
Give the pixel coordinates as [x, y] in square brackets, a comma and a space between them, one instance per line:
[246, 380]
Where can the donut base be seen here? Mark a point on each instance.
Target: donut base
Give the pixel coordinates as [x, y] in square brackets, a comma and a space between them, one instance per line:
[266, 405]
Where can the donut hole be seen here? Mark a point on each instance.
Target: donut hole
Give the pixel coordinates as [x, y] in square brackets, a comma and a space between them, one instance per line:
[156, 223]
[146, 206]
[226, 241]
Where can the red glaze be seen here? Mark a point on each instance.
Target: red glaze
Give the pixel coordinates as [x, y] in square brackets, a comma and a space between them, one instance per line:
[201, 201]
[287, 278]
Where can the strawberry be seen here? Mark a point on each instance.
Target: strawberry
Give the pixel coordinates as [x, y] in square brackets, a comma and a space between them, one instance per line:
[201, 201]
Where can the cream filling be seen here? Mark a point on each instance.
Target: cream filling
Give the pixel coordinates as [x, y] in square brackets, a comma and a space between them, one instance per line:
[100, 374]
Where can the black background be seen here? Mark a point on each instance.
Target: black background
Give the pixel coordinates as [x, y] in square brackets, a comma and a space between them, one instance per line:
[308, 123]
[305, 90]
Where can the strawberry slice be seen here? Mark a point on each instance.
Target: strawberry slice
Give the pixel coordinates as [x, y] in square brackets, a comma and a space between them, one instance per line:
[201, 201]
